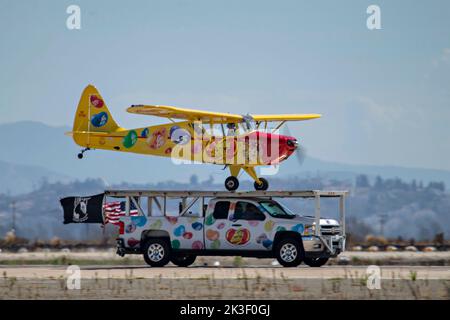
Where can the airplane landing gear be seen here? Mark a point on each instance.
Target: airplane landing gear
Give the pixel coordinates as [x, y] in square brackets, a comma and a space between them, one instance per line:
[231, 183]
[262, 186]
[80, 155]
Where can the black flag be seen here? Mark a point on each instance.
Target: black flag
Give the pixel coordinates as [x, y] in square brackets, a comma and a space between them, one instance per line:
[83, 209]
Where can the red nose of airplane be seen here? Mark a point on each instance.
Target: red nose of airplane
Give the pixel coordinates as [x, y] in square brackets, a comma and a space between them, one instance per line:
[287, 146]
[277, 147]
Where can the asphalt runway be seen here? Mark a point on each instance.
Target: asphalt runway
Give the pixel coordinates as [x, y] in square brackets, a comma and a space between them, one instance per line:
[226, 283]
[170, 272]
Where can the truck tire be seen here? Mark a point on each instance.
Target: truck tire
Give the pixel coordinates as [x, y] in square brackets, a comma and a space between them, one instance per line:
[315, 262]
[289, 252]
[156, 252]
[182, 259]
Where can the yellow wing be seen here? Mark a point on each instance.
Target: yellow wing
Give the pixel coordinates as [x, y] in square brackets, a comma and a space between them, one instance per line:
[285, 117]
[185, 114]
[214, 117]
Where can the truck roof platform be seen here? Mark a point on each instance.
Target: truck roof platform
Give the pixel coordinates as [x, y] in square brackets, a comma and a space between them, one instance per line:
[240, 194]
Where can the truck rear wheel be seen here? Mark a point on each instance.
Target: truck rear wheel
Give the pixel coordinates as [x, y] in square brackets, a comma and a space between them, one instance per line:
[182, 259]
[156, 252]
[289, 252]
[315, 262]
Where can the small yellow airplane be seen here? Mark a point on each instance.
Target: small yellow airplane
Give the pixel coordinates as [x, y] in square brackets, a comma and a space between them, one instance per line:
[241, 141]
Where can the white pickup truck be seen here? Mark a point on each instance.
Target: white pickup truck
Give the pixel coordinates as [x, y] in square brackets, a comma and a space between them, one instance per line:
[231, 225]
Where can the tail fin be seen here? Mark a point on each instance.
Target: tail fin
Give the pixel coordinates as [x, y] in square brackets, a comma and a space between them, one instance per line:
[92, 115]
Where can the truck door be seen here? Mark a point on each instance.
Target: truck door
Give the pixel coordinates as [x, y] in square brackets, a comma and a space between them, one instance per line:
[241, 230]
[246, 223]
[215, 223]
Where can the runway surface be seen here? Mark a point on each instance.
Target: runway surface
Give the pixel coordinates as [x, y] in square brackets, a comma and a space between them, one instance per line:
[169, 272]
[226, 283]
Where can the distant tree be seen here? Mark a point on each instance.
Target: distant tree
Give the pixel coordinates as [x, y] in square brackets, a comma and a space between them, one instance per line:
[440, 186]
[378, 183]
[362, 181]
[193, 180]
[398, 184]
[439, 238]
[414, 185]
[358, 229]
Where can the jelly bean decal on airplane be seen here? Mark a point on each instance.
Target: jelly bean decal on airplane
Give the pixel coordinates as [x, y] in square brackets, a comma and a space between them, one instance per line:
[130, 139]
[96, 101]
[99, 120]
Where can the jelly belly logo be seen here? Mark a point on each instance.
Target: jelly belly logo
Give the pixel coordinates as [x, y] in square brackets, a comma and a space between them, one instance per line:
[238, 236]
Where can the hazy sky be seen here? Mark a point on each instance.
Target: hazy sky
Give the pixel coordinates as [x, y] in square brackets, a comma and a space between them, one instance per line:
[384, 94]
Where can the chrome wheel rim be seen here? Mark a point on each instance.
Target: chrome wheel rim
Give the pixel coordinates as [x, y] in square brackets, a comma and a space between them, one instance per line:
[288, 252]
[155, 252]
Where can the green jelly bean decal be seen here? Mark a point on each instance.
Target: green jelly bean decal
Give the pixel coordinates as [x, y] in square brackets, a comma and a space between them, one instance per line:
[209, 220]
[130, 139]
[175, 244]
[215, 244]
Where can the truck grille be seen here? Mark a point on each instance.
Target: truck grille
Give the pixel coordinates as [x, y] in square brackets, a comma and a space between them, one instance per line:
[329, 230]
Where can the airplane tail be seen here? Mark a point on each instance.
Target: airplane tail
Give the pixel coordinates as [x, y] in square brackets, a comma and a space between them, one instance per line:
[92, 116]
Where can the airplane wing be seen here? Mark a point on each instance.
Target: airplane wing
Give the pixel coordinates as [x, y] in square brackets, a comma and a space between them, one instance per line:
[185, 114]
[285, 117]
[214, 117]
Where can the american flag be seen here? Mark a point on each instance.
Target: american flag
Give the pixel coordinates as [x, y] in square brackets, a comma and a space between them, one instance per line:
[114, 210]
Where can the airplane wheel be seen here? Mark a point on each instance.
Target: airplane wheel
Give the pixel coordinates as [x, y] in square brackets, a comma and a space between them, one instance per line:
[264, 185]
[231, 183]
[80, 156]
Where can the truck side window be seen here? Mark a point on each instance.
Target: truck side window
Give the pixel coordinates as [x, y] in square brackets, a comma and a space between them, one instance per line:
[221, 210]
[247, 211]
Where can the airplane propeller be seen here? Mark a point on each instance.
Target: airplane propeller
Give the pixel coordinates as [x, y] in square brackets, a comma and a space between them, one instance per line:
[300, 151]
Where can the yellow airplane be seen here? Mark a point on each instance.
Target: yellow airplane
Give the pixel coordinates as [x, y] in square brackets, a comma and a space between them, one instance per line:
[240, 141]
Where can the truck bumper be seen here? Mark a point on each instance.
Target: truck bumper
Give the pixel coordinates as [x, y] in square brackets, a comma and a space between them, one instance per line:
[326, 246]
[122, 250]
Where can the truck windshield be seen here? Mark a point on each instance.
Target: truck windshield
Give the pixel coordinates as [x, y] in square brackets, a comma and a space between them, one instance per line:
[276, 210]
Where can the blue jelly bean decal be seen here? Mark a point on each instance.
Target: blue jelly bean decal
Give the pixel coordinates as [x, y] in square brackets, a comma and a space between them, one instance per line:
[197, 226]
[99, 119]
[139, 221]
[144, 133]
[298, 228]
[179, 231]
[267, 243]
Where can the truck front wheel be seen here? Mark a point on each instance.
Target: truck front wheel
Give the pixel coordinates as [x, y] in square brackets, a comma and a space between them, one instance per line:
[289, 252]
[315, 262]
[182, 259]
[156, 252]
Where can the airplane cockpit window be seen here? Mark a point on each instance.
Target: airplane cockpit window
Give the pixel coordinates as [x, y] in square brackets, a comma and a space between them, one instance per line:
[231, 129]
